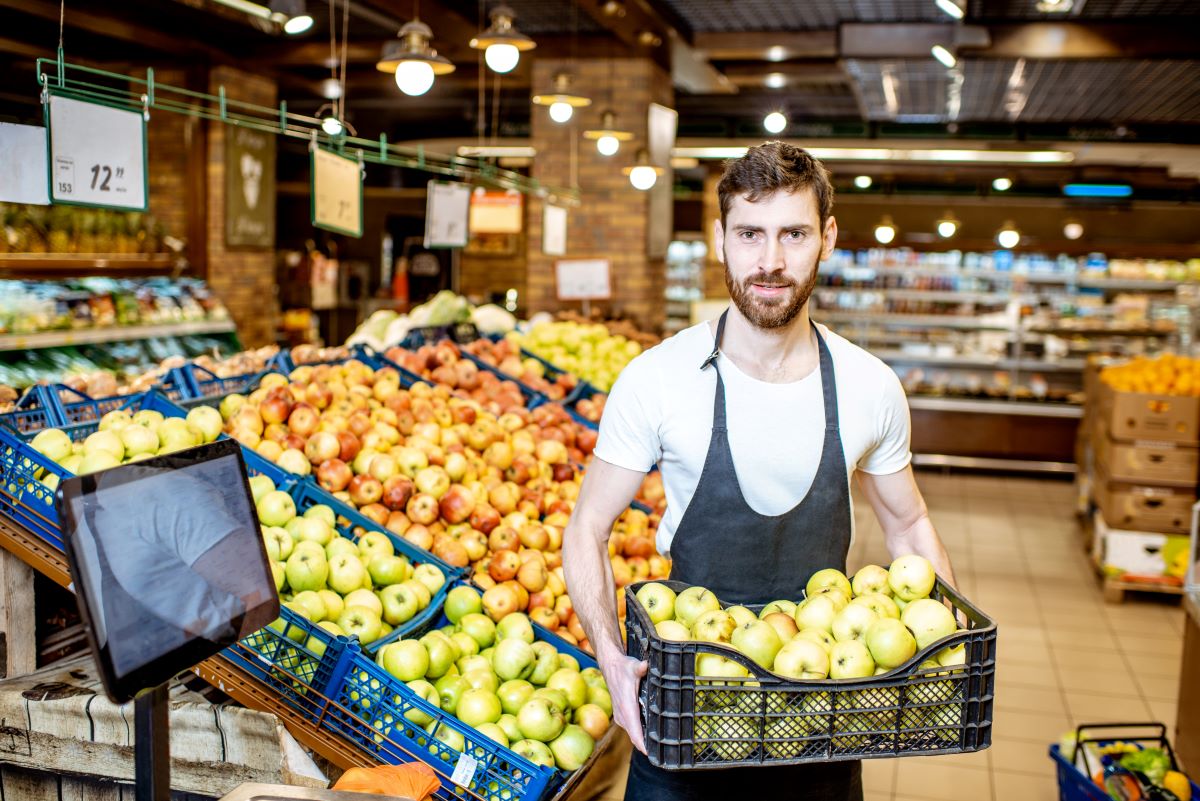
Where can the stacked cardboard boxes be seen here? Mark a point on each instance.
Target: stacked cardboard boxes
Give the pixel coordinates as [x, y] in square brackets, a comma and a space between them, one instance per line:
[1145, 454]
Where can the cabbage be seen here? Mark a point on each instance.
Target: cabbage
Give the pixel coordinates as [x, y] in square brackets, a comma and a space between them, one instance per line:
[397, 331]
[491, 319]
[444, 308]
[1151, 761]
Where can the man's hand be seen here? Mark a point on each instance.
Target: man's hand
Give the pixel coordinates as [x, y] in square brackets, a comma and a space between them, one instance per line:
[623, 674]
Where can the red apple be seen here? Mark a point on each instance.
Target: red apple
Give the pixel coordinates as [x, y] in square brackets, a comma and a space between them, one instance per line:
[294, 442]
[365, 489]
[376, 513]
[275, 432]
[276, 407]
[398, 523]
[484, 518]
[503, 565]
[422, 509]
[397, 490]
[303, 420]
[334, 475]
[319, 395]
[457, 504]
[562, 472]
[585, 440]
[504, 497]
[524, 467]
[359, 423]
[534, 536]
[349, 444]
[503, 538]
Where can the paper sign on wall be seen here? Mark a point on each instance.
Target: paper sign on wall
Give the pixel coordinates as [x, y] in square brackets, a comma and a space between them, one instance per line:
[496, 212]
[583, 279]
[337, 193]
[97, 154]
[447, 206]
[554, 231]
[23, 164]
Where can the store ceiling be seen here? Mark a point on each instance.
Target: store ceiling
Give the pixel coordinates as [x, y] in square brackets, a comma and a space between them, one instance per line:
[1107, 70]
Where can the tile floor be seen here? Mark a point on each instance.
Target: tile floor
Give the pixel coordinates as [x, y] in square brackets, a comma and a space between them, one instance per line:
[1064, 656]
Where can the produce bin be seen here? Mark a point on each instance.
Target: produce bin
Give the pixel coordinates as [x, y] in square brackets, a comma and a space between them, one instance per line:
[203, 383]
[1075, 777]
[766, 719]
[371, 695]
[295, 658]
[461, 333]
[282, 362]
[350, 524]
[38, 408]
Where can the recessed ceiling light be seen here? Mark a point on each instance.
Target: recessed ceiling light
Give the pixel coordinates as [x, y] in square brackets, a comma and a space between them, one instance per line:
[776, 53]
[775, 122]
[944, 56]
[1002, 184]
[950, 7]
[775, 80]
[1055, 6]
[1073, 230]
[862, 181]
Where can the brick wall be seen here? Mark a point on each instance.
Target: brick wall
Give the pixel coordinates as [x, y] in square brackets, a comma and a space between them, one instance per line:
[166, 145]
[244, 279]
[714, 271]
[480, 276]
[612, 220]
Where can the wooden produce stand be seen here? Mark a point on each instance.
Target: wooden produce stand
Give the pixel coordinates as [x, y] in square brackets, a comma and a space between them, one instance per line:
[1187, 715]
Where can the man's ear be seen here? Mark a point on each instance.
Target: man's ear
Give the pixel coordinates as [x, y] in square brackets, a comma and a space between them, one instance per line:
[719, 239]
[829, 238]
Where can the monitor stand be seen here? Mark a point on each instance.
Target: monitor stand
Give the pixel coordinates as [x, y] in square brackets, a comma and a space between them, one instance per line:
[152, 745]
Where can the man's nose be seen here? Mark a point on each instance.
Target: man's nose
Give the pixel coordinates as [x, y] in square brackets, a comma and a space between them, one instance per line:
[773, 256]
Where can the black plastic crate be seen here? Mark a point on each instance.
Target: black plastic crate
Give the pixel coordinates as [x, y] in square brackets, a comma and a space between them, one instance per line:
[765, 719]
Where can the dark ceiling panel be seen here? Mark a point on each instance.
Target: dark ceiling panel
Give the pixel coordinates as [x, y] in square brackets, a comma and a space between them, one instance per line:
[1084, 9]
[546, 17]
[791, 15]
[903, 90]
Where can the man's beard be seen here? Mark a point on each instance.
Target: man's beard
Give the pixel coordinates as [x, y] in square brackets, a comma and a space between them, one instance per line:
[769, 312]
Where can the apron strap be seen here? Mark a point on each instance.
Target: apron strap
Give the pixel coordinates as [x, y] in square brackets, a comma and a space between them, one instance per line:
[828, 385]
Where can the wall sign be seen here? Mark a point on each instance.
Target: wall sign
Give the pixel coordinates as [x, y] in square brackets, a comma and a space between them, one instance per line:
[23, 164]
[97, 154]
[446, 210]
[583, 279]
[337, 193]
[554, 230]
[249, 188]
[496, 212]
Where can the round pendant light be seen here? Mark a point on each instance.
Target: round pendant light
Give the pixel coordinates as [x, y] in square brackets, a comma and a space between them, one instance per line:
[562, 101]
[411, 59]
[608, 138]
[502, 44]
[643, 175]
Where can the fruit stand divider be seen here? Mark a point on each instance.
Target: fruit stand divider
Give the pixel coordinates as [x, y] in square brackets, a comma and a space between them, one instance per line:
[882, 716]
[370, 693]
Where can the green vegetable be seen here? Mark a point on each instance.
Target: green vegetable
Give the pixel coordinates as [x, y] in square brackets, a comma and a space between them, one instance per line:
[1151, 761]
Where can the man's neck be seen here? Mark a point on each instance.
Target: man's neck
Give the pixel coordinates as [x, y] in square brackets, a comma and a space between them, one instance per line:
[775, 355]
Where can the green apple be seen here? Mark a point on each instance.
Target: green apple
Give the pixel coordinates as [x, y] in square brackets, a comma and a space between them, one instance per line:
[311, 528]
[207, 421]
[802, 659]
[313, 604]
[513, 694]
[431, 576]
[107, 441]
[890, 643]
[493, 732]
[334, 605]
[149, 418]
[514, 659]
[230, 404]
[450, 691]
[346, 574]
[817, 612]
[823, 579]
[279, 574]
[508, 724]
[871, 579]
[467, 646]
[307, 568]
[480, 627]
[427, 692]
[278, 542]
[568, 662]
[276, 508]
[461, 601]
[322, 512]
[740, 614]
[850, 660]
[399, 604]
[757, 640]
[673, 630]
[138, 440]
[407, 660]
[375, 543]
[539, 720]
[658, 600]
[571, 684]
[785, 606]
[449, 737]
[52, 443]
[478, 706]
[442, 654]
[880, 604]
[481, 678]
[362, 622]
[115, 420]
[911, 577]
[546, 664]
[515, 625]
[593, 677]
[852, 622]
[572, 748]
[819, 636]
[929, 621]
[693, 602]
[260, 486]
[338, 546]
[534, 751]
[600, 697]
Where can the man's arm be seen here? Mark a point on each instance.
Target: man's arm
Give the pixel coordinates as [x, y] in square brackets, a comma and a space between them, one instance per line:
[606, 492]
[905, 519]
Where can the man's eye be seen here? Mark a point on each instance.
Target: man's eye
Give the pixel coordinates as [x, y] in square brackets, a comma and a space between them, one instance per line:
[796, 235]
[747, 235]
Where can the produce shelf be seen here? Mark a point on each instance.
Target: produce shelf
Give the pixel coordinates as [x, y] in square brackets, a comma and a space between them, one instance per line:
[1022, 408]
[65, 265]
[1059, 365]
[94, 336]
[920, 320]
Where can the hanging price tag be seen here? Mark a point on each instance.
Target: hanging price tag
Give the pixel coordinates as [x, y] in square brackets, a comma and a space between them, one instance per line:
[97, 154]
[337, 193]
[464, 770]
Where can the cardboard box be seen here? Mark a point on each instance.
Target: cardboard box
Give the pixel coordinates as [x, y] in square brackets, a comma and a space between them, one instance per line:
[1138, 507]
[1143, 416]
[1142, 462]
[1140, 555]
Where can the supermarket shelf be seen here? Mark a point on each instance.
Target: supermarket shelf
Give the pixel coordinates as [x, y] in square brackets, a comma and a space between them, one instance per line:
[60, 265]
[1021, 408]
[1130, 284]
[987, 463]
[1062, 365]
[1097, 332]
[92, 336]
[1090, 281]
[944, 295]
[926, 320]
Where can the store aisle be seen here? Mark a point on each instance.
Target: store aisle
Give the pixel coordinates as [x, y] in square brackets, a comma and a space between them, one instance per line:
[1065, 657]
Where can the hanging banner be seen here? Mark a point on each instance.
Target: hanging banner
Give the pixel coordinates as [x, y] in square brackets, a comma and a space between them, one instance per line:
[583, 279]
[97, 155]
[496, 212]
[661, 125]
[554, 231]
[23, 164]
[249, 188]
[337, 193]
[447, 206]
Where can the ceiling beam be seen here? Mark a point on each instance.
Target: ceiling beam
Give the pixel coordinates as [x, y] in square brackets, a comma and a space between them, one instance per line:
[767, 45]
[789, 73]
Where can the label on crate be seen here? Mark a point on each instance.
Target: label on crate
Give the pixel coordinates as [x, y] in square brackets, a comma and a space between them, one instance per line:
[464, 771]
[97, 154]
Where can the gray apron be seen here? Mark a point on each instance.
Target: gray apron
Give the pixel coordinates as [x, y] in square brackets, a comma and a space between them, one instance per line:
[750, 558]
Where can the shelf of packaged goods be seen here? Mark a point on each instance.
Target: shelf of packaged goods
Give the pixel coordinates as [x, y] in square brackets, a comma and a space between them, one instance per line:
[1097, 332]
[936, 295]
[1031, 365]
[1019, 408]
[1076, 279]
[57, 265]
[991, 463]
[1130, 284]
[93, 336]
[909, 320]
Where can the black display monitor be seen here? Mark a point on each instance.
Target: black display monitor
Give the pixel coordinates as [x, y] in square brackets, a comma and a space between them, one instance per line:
[167, 561]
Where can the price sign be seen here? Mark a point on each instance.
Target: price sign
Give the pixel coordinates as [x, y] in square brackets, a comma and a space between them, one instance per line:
[464, 770]
[337, 193]
[554, 231]
[446, 210]
[97, 155]
[583, 279]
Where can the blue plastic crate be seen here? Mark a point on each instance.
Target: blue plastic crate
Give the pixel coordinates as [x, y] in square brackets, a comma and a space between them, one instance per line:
[38, 408]
[283, 362]
[203, 383]
[297, 659]
[350, 524]
[370, 710]
[1074, 785]
[458, 332]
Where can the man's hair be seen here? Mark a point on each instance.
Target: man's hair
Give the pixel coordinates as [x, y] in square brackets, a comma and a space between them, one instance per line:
[772, 167]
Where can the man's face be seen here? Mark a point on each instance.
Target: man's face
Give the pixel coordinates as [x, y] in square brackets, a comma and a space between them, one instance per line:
[771, 249]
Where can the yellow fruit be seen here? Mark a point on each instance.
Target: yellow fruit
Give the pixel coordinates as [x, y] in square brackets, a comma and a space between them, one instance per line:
[1178, 784]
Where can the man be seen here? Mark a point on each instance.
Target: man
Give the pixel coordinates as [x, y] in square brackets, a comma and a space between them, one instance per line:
[757, 479]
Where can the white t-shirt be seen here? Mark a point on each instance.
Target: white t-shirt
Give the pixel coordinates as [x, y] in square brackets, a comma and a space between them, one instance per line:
[660, 411]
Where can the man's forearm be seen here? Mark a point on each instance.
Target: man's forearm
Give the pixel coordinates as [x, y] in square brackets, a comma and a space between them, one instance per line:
[591, 586]
[921, 538]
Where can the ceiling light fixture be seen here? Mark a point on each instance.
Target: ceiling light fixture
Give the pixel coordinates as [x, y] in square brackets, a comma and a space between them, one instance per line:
[775, 122]
[1002, 184]
[331, 124]
[775, 80]
[502, 44]
[613, 8]
[1072, 230]
[1008, 237]
[643, 175]
[292, 15]
[950, 7]
[885, 231]
[1055, 6]
[863, 181]
[776, 53]
[944, 56]
[412, 60]
[563, 101]
[947, 226]
[608, 137]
